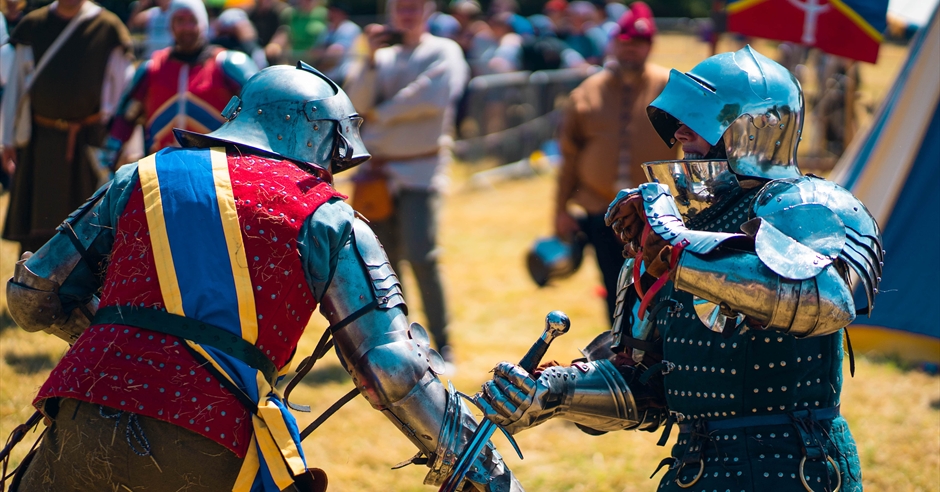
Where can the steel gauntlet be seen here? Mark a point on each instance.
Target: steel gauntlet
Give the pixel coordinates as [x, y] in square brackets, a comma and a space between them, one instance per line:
[593, 394]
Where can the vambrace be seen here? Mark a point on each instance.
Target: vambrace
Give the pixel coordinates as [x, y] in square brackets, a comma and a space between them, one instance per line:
[598, 397]
[594, 395]
[394, 366]
[815, 306]
[33, 293]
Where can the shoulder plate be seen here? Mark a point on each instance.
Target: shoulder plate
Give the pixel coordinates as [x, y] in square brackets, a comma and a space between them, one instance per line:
[803, 224]
[236, 66]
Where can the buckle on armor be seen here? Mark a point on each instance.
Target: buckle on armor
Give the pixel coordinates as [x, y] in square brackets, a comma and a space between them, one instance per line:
[701, 471]
[803, 477]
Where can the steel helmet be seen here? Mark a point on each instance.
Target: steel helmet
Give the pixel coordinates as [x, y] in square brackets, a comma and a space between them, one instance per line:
[751, 100]
[292, 112]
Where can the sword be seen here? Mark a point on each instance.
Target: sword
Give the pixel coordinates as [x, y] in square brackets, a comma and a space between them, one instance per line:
[556, 324]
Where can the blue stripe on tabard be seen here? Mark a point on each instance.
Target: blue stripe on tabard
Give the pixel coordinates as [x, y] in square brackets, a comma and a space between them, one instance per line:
[164, 118]
[241, 373]
[199, 113]
[197, 241]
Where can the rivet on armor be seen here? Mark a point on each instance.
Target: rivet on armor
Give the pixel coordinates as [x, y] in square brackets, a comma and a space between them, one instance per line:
[287, 117]
[749, 137]
[315, 127]
[259, 111]
[309, 144]
[280, 137]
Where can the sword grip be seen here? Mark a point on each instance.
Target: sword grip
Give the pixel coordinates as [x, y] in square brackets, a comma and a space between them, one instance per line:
[533, 357]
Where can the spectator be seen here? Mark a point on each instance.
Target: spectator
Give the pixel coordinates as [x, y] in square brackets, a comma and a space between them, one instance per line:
[304, 27]
[408, 93]
[13, 13]
[604, 138]
[160, 102]
[475, 36]
[443, 25]
[545, 51]
[7, 53]
[507, 56]
[581, 34]
[233, 31]
[341, 33]
[267, 17]
[71, 97]
[153, 17]
[555, 10]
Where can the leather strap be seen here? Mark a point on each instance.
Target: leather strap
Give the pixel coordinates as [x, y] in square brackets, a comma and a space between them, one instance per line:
[192, 330]
[773, 419]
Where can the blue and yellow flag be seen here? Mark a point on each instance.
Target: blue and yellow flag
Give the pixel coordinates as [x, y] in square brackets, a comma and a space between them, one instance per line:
[203, 273]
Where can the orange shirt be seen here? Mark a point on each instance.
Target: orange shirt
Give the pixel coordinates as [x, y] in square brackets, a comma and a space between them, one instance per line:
[593, 132]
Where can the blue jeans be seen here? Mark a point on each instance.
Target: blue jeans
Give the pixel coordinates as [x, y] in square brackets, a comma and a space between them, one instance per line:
[410, 234]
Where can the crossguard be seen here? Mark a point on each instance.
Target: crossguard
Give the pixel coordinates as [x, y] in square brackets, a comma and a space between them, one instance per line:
[556, 324]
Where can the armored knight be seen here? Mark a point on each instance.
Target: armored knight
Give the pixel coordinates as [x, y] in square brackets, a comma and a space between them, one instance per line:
[184, 287]
[729, 319]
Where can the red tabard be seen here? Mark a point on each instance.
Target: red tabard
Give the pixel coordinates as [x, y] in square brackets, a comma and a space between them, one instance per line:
[152, 374]
[207, 91]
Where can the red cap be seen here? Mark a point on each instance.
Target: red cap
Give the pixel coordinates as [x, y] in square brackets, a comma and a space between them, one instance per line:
[556, 5]
[637, 23]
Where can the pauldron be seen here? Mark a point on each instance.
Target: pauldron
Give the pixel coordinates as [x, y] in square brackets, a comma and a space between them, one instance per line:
[33, 293]
[789, 270]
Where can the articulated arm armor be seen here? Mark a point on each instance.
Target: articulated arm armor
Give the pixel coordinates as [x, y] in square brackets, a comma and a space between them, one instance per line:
[394, 366]
[593, 394]
[790, 271]
[33, 294]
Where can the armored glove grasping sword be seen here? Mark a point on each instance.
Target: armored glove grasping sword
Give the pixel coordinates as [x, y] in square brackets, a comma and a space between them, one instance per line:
[556, 324]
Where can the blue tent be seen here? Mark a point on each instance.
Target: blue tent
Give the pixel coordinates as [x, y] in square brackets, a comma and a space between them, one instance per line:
[895, 170]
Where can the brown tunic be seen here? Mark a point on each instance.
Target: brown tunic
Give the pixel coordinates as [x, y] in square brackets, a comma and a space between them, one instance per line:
[46, 188]
[598, 132]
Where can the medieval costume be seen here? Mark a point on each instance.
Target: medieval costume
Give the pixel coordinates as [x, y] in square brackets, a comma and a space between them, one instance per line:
[210, 261]
[179, 89]
[729, 320]
[71, 99]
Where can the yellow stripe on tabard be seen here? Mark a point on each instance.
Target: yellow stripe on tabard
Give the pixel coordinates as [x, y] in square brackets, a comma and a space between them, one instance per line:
[249, 469]
[274, 419]
[271, 454]
[282, 438]
[205, 354]
[159, 240]
[247, 314]
[743, 4]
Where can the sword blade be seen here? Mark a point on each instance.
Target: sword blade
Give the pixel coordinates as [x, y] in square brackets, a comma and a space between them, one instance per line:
[480, 437]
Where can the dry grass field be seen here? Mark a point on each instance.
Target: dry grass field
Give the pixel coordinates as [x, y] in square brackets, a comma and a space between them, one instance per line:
[496, 314]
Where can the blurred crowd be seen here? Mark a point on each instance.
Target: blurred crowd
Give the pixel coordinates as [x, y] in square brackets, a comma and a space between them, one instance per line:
[320, 32]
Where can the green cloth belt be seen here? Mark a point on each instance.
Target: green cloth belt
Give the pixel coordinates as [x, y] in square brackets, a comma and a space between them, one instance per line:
[192, 330]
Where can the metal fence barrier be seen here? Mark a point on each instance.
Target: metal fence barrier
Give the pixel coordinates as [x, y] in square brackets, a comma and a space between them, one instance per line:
[505, 117]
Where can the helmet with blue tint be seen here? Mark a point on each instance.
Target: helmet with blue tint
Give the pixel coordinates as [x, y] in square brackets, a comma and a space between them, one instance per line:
[745, 102]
